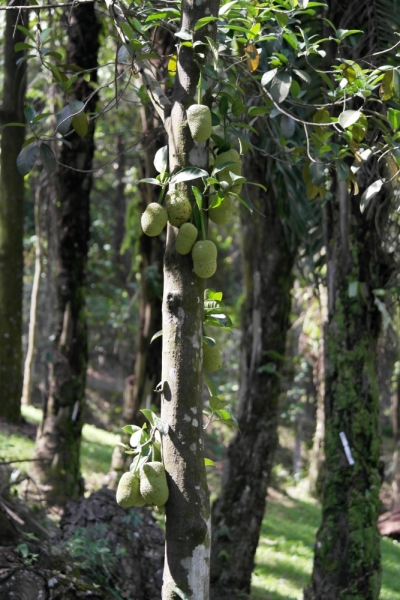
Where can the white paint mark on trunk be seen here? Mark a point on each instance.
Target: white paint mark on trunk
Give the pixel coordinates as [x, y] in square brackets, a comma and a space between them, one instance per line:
[195, 422]
[197, 567]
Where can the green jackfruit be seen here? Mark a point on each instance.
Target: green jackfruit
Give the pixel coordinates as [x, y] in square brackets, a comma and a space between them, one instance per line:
[185, 239]
[222, 214]
[154, 219]
[212, 359]
[128, 493]
[204, 255]
[178, 207]
[199, 121]
[230, 156]
[153, 484]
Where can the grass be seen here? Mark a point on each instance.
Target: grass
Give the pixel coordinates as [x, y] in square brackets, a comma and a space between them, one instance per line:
[96, 450]
[285, 553]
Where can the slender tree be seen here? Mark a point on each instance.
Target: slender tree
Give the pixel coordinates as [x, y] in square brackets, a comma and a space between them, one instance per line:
[59, 435]
[11, 221]
[268, 258]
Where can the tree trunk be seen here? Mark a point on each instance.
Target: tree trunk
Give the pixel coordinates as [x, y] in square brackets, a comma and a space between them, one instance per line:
[59, 435]
[29, 360]
[187, 553]
[11, 221]
[347, 551]
[237, 514]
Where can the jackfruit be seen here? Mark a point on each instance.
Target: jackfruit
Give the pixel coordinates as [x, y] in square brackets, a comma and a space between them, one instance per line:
[222, 214]
[154, 219]
[230, 156]
[212, 359]
[199, 121]
[185, 239]
[153, 484]
[178, 207]
[204, 255]
[128, 493]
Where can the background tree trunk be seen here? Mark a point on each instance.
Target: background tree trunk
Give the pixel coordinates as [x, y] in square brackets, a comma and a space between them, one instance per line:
[11, 221]
[59, 434]
[347, 551]
[237, 514]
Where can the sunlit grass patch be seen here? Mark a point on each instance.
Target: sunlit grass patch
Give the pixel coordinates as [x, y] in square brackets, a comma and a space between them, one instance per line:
[285, 553]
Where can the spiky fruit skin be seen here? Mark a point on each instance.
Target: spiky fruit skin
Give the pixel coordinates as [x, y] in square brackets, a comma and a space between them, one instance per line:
[204, 255]
[186, 238]
[222, 214]
[153, 484]
[154, 219]
[212, 359]
[128, 492]
[200, 122]
[178, 207]
[230, 156]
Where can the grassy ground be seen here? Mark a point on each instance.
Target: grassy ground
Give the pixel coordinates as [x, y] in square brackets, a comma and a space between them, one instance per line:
[285, 553]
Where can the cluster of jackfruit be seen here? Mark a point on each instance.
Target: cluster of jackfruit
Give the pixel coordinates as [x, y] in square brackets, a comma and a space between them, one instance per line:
[148, 487]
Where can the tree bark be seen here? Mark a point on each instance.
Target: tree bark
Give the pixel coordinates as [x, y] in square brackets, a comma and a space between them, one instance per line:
[237, 514]
[29, 360]
[347, 551]
[11, 221]
[59, 434]
[187, 554]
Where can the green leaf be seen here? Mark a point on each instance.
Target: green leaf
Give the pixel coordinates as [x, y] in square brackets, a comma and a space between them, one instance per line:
[80, 124]
[48, 158]
[303, 75]
[184, 34]
[64, 119]
[212, 295]
[150, 180]
[27, 157]
[342, 169]
[258, 110]
[245, 202]
[201, 22]
[198, 196]
[76, 107]
[348, 117]
[216, 403]
[209, 463]
[27, 33]
[162, 426]
[161, 160]
[369, 193]
[393, 116]
[188, 174]
[212, 388]
[280, 86]
[23, 46]
[45, 34]
[130, 429]
[14, 125]
[288, 127]
[209, 340]
[178, 591]
[238, 107]
[150, 416]
[156, 335]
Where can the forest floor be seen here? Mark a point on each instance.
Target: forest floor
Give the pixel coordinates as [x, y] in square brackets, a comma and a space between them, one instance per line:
[285, 553]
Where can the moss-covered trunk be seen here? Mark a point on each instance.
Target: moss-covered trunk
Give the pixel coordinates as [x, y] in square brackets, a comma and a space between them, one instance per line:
[237, 514]
[11, 221]
[347, 551]
[59, 434]
[187, 555]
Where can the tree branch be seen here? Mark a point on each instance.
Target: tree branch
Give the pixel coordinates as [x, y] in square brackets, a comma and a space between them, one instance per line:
[157, 96]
